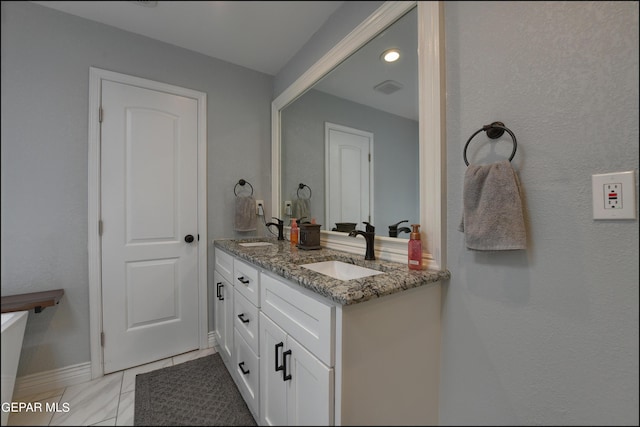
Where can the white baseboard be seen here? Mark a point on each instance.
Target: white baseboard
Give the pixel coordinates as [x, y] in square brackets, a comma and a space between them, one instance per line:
[41, 382]
[212, 339]
[51, 380]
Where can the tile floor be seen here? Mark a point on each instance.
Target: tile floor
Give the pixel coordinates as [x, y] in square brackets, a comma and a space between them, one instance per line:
[106, 401]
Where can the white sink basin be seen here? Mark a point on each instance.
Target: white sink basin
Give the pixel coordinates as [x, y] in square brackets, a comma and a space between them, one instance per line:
[255, 244]
[341, 270]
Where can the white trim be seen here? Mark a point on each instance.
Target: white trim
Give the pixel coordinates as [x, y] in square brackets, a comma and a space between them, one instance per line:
[96, 75]
[431, 129]
[40, 382]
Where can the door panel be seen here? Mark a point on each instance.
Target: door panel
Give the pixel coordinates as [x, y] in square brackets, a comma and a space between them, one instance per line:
[273, 391]
[348, 174]
[148, 206]
[310, 390]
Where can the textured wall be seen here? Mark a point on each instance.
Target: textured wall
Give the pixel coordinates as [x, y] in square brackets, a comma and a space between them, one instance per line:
[46, 57]
[548, 335]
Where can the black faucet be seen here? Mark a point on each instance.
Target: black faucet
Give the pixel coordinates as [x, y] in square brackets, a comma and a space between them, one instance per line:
[280, 225]
[369, 237]
[394, 230]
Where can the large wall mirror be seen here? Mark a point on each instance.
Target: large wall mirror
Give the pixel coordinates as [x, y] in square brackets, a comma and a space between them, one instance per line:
[358, 139]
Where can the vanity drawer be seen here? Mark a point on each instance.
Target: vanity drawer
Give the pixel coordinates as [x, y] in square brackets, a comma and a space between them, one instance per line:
[245, 280]
[245, 320]
[247, 372]
[224, 264]
[308, 320]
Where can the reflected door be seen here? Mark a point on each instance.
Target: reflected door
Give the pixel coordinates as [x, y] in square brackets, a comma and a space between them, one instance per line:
[349, 174]
[149, 215]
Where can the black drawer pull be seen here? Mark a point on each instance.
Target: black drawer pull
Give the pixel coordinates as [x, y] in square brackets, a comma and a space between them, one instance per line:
[241, 317]
[243, 280]
[241, 366]
[219, 286]
[278, 366]
[286, 376]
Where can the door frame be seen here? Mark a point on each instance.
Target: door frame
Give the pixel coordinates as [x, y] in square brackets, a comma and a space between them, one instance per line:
[328, 127]
[96, 76]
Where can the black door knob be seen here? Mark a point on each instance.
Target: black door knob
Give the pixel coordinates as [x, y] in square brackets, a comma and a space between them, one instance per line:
[188, 238]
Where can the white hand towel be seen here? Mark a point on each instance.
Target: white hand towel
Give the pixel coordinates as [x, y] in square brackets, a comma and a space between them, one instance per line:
[493, 217]
[245, 216]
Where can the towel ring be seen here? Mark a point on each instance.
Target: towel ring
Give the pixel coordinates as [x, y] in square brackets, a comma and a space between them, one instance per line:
[301, 187]
[494, 131]
[242, 182]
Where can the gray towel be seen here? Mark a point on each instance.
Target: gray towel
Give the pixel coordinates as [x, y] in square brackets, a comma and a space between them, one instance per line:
[245, 217]
[493, 219]
[301, 208]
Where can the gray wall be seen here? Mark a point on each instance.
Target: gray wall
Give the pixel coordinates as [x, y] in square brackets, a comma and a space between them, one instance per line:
[395, 156]
[548, 335]
[46, 57]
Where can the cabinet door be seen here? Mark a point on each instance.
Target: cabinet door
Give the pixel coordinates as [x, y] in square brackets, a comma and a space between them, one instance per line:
[309, 389]
[273, 391]
[224, 264]
[223, 315]
[296, 388]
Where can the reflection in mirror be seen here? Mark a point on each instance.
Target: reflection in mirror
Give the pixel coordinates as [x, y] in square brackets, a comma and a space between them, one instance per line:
[353, 140]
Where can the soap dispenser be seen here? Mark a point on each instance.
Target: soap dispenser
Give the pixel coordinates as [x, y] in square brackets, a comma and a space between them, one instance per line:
[415, 248]
[294, 232]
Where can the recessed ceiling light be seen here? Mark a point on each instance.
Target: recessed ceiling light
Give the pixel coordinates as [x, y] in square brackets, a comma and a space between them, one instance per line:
[390, 55]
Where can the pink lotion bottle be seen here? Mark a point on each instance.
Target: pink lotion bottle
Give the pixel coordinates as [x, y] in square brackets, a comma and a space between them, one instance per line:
[415, 248]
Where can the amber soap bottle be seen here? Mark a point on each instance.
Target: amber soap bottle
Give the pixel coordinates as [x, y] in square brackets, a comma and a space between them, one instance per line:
[415, 248]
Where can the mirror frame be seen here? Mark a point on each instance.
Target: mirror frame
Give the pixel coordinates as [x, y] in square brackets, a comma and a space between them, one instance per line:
[431, 129]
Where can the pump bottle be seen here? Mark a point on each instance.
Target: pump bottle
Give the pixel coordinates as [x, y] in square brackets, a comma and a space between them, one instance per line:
[415, 248]
[294, 233]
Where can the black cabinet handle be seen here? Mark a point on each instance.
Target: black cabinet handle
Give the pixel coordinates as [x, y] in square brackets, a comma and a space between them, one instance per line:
[241, 366]
[219, 286]
[278, 366]
[243, 280]
[241, 317]
[286, 376]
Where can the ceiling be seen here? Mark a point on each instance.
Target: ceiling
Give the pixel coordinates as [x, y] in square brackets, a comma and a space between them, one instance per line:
[260, 35]
[264, 36]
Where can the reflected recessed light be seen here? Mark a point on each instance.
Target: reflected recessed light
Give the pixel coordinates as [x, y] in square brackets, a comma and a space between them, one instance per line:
[390, 55]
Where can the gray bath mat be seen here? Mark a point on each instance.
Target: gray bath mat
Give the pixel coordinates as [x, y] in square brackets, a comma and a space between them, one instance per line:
[200, 392]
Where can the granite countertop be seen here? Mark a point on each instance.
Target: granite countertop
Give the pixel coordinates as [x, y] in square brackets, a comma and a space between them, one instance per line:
[285, 260]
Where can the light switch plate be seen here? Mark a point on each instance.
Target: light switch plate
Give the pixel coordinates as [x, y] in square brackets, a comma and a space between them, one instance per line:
[614, 195]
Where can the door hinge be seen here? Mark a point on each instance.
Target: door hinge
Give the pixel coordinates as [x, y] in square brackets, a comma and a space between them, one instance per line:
[100, 112]
[99, 227]
[102, 339]
[368, 155]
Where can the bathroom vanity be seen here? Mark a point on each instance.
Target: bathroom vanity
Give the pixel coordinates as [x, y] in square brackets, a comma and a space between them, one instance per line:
[306, 348]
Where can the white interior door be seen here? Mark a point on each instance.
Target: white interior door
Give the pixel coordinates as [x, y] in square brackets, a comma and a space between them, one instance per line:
[349, 174]
[149, 177]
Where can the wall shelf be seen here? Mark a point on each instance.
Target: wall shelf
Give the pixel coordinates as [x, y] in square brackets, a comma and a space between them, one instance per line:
[36, 300]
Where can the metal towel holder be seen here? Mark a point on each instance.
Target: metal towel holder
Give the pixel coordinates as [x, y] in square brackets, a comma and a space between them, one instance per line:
[494, 131]
[301, 187]
[241, 183]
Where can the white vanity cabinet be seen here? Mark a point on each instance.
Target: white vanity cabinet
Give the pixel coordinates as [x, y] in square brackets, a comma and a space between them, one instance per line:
[296, 386]
[319, 362]
[223, 304]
